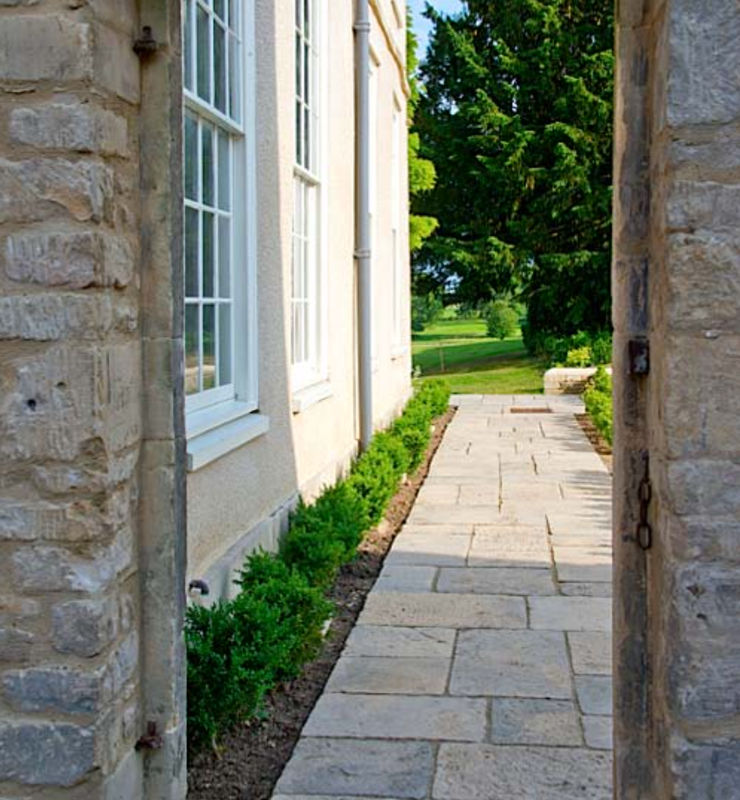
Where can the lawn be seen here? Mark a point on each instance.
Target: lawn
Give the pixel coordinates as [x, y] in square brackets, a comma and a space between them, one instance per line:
[472, 362]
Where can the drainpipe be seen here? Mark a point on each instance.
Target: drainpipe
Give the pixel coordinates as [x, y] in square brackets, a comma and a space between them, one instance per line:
[362, 222]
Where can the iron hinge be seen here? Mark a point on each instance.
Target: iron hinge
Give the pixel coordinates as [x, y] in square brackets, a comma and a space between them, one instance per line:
[151, 740]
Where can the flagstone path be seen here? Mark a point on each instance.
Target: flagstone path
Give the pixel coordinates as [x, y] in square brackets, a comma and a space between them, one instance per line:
[480, 666]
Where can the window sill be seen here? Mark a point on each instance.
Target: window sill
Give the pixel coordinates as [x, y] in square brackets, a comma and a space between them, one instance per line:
[214, 432]
[305, 398]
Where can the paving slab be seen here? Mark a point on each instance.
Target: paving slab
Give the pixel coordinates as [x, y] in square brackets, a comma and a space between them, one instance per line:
[397, 642]
[570, 613]
[430, 548]
[496, 580]
[509, 546]
[372, 675]
[398, 717]
[594, 693]
[358, 767]
[598, 732]
[511, 663]
[405, 578]
[444, 610]
[505, 772]
[534, 721]
[591, 652]
[480, 665]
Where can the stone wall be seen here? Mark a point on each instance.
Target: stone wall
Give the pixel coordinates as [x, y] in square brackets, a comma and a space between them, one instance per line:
[677, 283]
[80, 453]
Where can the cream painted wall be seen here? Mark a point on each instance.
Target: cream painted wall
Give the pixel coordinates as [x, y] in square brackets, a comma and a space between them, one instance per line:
[303, 451]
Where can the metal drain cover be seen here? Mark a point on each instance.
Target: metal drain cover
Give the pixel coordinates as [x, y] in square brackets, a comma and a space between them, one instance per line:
[532, 410]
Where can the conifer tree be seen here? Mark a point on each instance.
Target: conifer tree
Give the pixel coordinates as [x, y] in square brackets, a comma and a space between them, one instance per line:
[516, 114]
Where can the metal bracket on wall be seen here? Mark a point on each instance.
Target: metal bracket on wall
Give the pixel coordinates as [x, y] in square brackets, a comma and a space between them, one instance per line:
[146, 44]
[639, 356]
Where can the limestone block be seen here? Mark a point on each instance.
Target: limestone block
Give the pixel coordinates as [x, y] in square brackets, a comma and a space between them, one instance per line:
[483, 772]
[594, 694]
[704, 63]
[567, 380]
[356, 767]
[404, 578]
[703, 406]
[425, 549]
[45, 753]
[703, 771]
[116, 66]
[444, 610]
[570, 613]
[37, 188]
[72, 260]
[80, 127]
[511, 664]
[534, 721]
[396, 642]
[398, 717]
[84, 627]
[482, 580]
[703, 487]
[56, 689]
[40, 568]
[591, 652]
[45, 47]
[408, 676]
[695, 205]
[70, 399]
[598, 732]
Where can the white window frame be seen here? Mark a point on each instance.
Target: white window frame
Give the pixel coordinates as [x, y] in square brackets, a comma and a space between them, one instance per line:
[396, 222]
[219, 420]
[313, 370]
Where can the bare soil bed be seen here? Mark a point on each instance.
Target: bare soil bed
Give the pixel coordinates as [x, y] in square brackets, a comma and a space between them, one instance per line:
[252, 756]
[602, 447]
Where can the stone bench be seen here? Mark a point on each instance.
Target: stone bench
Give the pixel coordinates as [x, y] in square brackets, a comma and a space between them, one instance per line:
[569, 380]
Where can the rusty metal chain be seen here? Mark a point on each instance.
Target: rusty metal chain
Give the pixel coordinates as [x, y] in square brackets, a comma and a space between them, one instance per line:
[645, 494]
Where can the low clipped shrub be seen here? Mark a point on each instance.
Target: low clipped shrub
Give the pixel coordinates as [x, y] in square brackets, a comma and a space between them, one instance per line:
[239, 649]
[582, 349]
[598, 401]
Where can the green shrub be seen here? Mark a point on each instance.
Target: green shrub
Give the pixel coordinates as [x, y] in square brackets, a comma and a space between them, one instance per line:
[598, 400]
[238, 650]
[501, 319]
[579, 357]
[375, 479]
[325, 535]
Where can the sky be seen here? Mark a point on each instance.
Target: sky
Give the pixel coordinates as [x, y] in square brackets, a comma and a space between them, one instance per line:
[421, 24]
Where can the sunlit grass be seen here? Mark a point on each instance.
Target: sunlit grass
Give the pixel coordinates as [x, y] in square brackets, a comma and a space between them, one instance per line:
[473, 363]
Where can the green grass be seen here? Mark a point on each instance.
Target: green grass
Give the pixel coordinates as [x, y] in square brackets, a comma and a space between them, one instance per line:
[473, 363]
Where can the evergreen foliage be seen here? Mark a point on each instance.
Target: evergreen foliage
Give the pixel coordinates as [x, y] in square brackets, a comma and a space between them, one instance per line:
[516, 114]
[238, 650]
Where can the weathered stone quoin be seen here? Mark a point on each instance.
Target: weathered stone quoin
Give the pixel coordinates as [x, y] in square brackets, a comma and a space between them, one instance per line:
[92, 459]
[91, 456]
[676, 285]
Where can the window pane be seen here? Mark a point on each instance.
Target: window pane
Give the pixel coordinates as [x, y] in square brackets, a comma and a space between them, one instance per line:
[224, 171]
[307, 72]
[224, 257]
[235, 105]
[191, 157]
[234, 14]
[188, 45]
[208, 255]
[209, 346]
[298, 67]
[219, 6]
[191, 253]
[224, 344]
[204, 55]
[298, 135]
[307, 17]
[191, 349]
[219, 66]
[298, 4]
[207, 158]
[307, 139]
